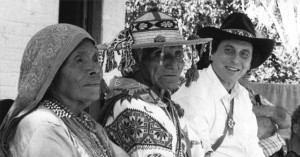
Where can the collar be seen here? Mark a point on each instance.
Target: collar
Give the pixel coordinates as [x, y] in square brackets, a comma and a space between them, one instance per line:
[134, 89]
[221, 91]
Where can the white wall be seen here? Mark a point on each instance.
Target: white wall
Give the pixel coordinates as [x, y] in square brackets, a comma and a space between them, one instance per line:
[19, 21]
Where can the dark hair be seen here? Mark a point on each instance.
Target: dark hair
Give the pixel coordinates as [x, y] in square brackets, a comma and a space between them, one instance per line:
[254, 55]
[215, 43]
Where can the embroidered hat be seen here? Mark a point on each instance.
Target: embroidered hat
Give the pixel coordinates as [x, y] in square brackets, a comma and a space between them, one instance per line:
[156, 29]
[239, 26]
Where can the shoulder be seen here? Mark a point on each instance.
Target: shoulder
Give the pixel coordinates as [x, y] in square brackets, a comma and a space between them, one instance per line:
[244, 94]
[243, 90]
[200, 92]
[197, 88]
[41, 116]
[41, 126]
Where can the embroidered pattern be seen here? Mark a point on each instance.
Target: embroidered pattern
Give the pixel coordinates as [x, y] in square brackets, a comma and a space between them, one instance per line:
[167, 24]
[134, 128]
[239, 32]
[144, 25]
[133, 89]
[154, 25]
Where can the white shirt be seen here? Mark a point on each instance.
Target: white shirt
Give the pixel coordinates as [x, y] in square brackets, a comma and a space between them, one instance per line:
[204, 103]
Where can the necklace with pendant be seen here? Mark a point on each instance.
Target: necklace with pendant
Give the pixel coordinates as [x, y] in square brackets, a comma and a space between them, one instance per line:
[230, 121]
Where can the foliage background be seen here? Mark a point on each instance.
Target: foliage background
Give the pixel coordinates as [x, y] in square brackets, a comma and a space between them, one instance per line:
[270, 18]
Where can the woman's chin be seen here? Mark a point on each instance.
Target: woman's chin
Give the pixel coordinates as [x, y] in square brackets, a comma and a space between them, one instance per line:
[92, 97]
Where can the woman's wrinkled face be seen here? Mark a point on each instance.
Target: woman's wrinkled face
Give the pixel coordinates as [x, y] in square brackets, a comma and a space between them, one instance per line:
[79, 77]
[232, 60]
[165, 74]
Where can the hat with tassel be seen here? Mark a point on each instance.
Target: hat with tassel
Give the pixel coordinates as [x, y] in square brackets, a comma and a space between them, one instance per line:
[239, 26]
[152, 29]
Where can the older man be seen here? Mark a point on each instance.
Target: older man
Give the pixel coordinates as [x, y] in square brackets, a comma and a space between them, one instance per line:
[216, 105]
[139, 115]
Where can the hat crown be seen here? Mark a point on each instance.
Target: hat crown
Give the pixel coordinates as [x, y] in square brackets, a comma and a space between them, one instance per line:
[153, 27]
[238, 21]
[153, 15]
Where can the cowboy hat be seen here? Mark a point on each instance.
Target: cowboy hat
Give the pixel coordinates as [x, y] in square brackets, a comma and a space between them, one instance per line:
[238, 26]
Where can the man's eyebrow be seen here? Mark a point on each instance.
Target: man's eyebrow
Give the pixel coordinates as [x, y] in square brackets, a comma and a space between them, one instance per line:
[228, 45]
[247, 50]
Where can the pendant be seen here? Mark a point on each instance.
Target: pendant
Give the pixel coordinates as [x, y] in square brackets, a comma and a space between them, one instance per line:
[230, 125]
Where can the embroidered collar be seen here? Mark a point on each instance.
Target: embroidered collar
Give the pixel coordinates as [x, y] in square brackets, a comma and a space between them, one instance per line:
[134, 89]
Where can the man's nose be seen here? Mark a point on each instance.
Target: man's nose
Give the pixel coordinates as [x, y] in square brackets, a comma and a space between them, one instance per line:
[235, 59]
[171, 62]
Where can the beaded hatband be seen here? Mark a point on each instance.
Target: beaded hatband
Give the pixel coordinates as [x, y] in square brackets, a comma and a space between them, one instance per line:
[83, 127]
[239, 32]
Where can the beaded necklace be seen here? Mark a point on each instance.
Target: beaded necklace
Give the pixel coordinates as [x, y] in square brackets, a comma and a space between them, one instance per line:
[83, 127]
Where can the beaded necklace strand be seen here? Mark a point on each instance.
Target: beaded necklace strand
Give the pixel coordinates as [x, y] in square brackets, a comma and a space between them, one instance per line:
[82, 126]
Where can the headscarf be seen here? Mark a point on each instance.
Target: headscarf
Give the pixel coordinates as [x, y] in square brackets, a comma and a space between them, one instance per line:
[44, 55]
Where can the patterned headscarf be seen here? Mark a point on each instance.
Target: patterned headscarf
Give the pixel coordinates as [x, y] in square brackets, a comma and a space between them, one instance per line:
[43, 56]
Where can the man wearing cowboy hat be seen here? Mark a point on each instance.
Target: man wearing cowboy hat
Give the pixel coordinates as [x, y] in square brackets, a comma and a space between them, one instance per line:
[217, 107]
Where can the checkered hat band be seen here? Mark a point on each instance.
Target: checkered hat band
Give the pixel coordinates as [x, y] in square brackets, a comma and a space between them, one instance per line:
[149, 36]
[239, 32]
[154, 25]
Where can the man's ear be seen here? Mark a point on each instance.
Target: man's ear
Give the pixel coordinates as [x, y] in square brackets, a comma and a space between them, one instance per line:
[295, 128]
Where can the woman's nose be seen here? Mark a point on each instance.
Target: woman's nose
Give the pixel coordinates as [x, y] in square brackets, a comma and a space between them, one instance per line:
[95, 69]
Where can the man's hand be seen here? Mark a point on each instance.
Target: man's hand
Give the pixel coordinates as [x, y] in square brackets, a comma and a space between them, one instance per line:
[266, 127]
[277, 114]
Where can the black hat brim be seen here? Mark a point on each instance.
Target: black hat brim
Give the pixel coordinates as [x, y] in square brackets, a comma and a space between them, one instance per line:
[262, 48]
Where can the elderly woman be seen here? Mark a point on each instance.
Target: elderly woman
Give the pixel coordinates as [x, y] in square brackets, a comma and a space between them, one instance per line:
[60, 76]
[139, 114]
